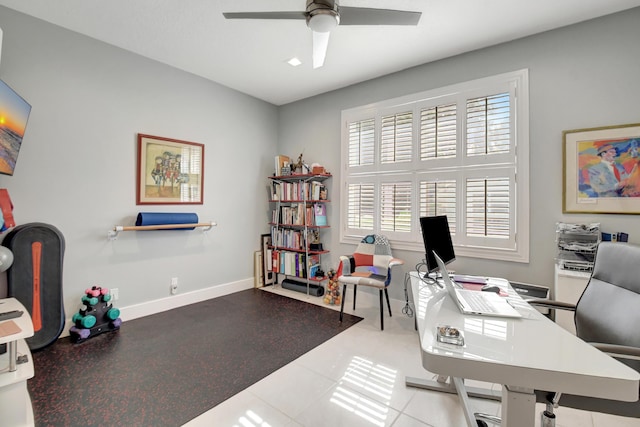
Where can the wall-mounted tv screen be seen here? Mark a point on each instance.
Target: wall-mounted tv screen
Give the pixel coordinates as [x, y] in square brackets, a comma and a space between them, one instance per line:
[14, 113]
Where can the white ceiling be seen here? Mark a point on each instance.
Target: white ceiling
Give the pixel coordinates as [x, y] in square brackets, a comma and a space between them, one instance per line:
[250, 55]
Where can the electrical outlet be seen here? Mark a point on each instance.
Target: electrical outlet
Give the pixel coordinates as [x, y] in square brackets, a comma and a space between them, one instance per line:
[174, 285]
[114, 294]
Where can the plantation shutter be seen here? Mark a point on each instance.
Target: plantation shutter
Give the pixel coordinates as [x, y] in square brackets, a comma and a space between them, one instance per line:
[489, 125]
[438, 132]
[396, 138]
[395, 207]
[361, 142]
[461, 151]
[360, 206]
[439, 198]
[488, 207]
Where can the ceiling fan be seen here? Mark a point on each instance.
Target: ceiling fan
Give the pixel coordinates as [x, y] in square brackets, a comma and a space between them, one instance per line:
[324, 15]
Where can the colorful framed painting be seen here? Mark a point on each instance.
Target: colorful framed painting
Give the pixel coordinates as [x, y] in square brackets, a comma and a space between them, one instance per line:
[170, 171]
[601, 173]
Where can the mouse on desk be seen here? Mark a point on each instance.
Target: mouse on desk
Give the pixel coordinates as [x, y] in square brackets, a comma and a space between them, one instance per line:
[491, 288]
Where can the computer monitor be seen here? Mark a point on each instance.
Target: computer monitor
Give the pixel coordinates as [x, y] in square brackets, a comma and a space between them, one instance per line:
[436, 237]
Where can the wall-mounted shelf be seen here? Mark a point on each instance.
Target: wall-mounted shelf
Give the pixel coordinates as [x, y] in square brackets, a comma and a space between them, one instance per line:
[113, 234]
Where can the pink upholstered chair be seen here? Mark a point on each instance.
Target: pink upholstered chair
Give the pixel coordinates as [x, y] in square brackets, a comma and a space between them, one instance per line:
[370, 265]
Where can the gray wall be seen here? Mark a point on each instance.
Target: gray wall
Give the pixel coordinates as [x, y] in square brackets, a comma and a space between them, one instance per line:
[77, 166]
[581, 76]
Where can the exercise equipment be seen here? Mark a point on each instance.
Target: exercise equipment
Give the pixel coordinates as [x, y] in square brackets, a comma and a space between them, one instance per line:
[314, 290]
[35, 278]
[96, 316]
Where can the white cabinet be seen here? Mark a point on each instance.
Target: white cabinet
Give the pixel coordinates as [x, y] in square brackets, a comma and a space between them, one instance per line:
[15, 404]
[567, 287]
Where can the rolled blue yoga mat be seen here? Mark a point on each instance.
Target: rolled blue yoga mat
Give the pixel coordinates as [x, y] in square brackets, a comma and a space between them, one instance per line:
[162, 218]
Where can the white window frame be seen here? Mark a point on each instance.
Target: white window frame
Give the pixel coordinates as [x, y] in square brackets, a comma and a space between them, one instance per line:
[515, 164]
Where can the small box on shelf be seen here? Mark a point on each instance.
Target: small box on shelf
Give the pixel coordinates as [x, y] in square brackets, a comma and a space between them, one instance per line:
[615, 237]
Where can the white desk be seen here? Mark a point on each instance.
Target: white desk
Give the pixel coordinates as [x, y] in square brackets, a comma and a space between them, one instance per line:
[15, 404]
[524, 355]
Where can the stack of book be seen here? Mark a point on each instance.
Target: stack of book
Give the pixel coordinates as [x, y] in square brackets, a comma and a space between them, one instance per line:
[294, 264]
[298, 191]
[300, 214]
[289, 239]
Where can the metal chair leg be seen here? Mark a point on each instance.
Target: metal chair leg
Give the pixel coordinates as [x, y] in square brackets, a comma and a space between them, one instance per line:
[381, 312]
[344, 290]
[386, 294]
[355, 287]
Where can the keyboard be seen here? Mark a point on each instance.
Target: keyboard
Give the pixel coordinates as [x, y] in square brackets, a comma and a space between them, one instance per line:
[476, 302]
[470, 279]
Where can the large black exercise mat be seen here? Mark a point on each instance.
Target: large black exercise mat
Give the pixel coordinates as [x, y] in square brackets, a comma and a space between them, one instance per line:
[35, 278]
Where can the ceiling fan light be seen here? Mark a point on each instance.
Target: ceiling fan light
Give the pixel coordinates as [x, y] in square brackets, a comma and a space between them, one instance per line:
[323, 22]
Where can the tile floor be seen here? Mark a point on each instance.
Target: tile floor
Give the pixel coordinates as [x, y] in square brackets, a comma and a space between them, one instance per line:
[358, 379]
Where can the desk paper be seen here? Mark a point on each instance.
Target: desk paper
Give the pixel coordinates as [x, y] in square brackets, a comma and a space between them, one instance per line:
[9, 327]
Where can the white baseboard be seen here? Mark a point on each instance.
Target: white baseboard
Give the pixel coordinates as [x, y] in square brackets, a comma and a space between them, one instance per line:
[174, 301]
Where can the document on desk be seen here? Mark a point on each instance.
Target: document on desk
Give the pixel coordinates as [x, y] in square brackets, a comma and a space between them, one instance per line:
[9, 327]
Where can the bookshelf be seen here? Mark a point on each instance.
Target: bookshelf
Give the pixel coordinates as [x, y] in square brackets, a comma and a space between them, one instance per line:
[298, 222]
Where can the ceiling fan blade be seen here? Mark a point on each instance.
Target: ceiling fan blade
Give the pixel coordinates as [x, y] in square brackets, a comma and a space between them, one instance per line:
[320, 45]
[367, 16]
[265, 15]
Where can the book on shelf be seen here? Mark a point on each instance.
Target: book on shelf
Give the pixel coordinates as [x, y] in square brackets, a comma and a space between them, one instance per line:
[313, 270]
[289, 238]
[313, 265]
[318, 191]
[300, 214]
[276, 190]
[275, 261]
[269, 256]
[297, 191]
[294, 264]
[323, 193]
[320, 214]
[308, 218]
[282, 161]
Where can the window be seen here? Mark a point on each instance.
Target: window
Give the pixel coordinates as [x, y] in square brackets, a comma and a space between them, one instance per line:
[460, 151]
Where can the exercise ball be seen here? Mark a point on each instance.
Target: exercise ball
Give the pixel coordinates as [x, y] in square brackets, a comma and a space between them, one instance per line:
[6, 258]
